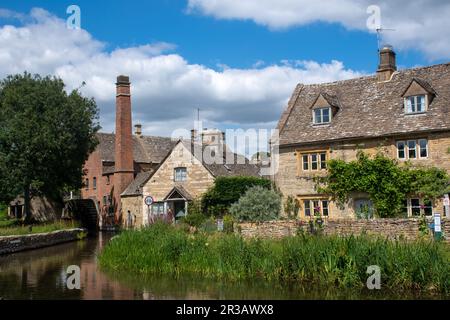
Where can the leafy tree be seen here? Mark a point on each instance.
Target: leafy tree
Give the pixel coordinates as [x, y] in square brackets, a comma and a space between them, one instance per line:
[257, 204]
[227, 190]
[387, 183]
[46, 135]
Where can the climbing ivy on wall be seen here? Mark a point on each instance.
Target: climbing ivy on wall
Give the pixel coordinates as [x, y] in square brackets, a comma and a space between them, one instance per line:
[386, 182]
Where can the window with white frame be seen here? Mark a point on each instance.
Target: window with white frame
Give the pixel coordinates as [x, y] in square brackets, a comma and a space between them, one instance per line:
[416, 104]
[414, 207]
[412, 149]
[158, 208]
[322, 115]
[180, 174]
[314, 207]
[314, 161]
[423, 148]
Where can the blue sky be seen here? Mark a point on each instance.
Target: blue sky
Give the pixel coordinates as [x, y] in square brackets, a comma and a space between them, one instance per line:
[212, 42]
[238, 61]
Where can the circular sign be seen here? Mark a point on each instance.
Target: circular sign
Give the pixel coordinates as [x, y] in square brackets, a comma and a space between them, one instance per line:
[149, 200]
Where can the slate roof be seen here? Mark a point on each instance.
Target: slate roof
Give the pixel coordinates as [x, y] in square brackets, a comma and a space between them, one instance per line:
[181, 191]
[368, 108]
[241, 166]
[146, 149]
[135, 187]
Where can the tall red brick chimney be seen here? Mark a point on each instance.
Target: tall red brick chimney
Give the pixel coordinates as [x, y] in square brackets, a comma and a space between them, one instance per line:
[124, 166]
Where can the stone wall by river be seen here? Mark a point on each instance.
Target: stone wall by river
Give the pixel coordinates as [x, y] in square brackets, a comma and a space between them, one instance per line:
[13, 244]
[390, 228]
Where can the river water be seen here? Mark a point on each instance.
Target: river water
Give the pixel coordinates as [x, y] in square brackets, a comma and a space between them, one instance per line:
[42, 274]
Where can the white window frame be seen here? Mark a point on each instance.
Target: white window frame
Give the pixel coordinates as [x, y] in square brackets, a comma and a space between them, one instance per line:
[305, 162]
[409, 207]
[418, 149]
[407, 101]
[160, 208]
[180, 177]
[312, 207]
[415, 148]
[405, 149]
[330, 115]
[319, 161]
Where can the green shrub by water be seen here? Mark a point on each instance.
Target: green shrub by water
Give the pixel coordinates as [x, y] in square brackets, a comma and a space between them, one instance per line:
[325, 260]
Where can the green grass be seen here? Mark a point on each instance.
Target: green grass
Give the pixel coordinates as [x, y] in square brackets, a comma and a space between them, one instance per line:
[12, 228]
[325, 260]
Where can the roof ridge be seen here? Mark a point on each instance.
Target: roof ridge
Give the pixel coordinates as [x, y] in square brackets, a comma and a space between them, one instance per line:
[368, 76]
[144, 136]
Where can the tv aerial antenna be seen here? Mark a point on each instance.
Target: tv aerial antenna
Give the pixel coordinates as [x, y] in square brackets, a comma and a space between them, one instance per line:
[380, 31]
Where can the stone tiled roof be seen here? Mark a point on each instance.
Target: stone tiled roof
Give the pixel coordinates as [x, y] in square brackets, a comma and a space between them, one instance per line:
[217, 170]
[135, 187]
[146, 149]
[181, 191]
[368, 108]
[241, 166]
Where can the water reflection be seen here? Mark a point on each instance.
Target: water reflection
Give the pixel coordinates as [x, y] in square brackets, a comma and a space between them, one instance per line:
[41, 274]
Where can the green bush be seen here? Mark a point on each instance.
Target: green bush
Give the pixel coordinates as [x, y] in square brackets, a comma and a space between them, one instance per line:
[325, 260]
[386, 182]
[257, 204]
[227, 190]
[195, 216]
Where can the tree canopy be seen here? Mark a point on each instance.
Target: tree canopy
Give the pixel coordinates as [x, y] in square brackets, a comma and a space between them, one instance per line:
[386, 182]
[46, 135]
[228, 190]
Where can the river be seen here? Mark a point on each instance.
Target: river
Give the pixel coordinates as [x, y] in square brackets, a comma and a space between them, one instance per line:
[41, 274]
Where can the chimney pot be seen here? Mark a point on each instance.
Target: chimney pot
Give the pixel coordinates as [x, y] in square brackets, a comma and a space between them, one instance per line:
[193, 135]
[138, 130]
[123, 80]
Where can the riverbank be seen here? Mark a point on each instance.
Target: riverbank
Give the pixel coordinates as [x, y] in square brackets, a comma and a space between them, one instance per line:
[15, 228]
[324, 260]
[16, 243]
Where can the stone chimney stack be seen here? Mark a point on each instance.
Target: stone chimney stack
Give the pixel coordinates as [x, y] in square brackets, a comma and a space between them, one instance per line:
[138, 130]
[194, 135]
[124, 165]
[387, 64]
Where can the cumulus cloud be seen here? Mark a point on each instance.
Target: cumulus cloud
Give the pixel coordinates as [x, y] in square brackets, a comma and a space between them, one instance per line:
[418, 24]
[166, 89]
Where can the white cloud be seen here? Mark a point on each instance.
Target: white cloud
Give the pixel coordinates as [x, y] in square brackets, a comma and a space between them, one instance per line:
[418, 24]
[166, 89]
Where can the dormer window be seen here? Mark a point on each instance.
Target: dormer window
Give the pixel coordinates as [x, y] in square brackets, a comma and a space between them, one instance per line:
[416, 104]
[322, 115]
[418, 96]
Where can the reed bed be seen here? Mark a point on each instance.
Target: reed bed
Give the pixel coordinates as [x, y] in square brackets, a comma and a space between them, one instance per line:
[325, 260]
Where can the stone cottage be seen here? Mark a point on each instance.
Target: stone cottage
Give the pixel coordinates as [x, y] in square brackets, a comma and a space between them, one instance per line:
[405, 114]
[184, 175]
